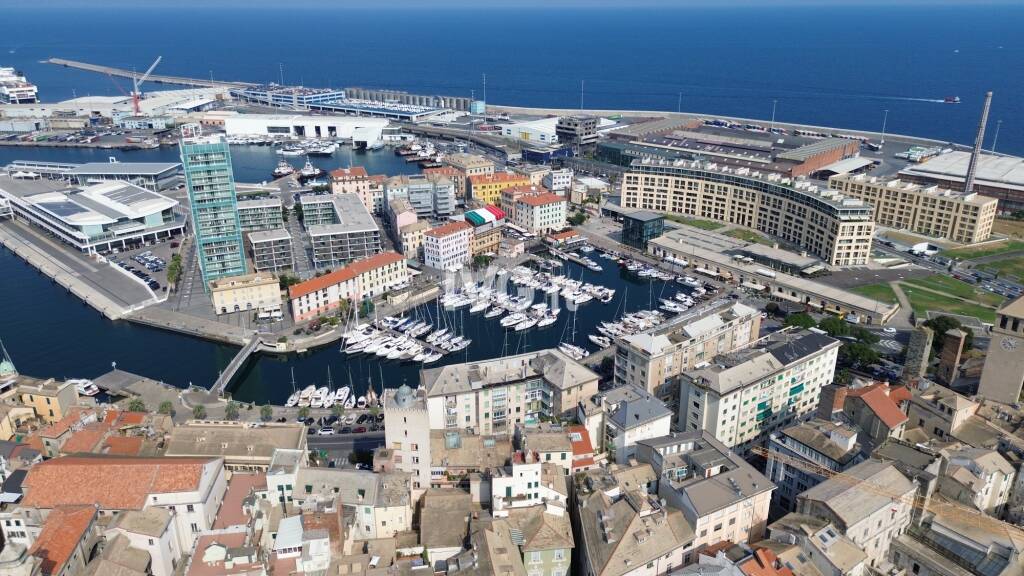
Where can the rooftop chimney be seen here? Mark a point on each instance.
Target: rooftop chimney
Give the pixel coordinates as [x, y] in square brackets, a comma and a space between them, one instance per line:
[976, 155]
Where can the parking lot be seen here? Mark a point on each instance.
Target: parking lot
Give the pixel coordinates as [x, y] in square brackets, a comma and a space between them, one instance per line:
[148, 263]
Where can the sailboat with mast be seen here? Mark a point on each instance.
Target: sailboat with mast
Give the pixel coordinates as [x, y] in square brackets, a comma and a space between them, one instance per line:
[294, 398]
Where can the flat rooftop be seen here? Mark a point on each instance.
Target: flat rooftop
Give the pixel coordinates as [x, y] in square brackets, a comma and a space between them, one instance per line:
[551, 364]
[269, 235]
[993, 170]
[349, 212]
[125, 168]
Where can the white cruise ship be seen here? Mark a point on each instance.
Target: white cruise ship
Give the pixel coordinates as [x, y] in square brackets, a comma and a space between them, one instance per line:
[16, 89]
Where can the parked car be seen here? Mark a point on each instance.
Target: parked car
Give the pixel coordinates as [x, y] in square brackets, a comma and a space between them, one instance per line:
[325, 431]
[359, 430]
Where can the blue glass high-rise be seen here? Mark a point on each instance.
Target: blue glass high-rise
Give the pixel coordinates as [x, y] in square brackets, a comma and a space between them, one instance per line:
[211, 193]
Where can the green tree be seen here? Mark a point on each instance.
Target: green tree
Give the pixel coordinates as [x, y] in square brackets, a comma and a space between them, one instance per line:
[864, 335]
[284, 214]
[174, 269]
[835, 326]
[800, 320]
[199, 412]
[286, 280]
[266, 412]
[374, 410]
[857, 354]
[231, 410]
[136, 405]
[298, 213]
[942, 324]
[366, 308]
[338, 410]
[166, 407]
[304, 412]
[577, 218]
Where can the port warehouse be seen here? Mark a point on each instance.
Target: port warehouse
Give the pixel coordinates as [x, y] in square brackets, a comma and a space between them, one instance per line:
[153, 176]
[358, 129]
[98, 217]
[337, 102]
[691, 245]
[1000, 177]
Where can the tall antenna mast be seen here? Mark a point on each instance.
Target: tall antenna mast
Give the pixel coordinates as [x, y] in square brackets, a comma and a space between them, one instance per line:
[581, 94]
[280, 70]
[976, 155]
[485, 87]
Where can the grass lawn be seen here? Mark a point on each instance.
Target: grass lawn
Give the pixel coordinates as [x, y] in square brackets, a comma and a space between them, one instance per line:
[695, 222]
[881, 292]
[748, 236]
[988, 250]
[1007, 267]
[1013, 228]
[922, 301]
[954, 287]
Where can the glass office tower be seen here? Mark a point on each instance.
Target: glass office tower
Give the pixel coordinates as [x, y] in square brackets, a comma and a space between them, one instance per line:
[211, 194]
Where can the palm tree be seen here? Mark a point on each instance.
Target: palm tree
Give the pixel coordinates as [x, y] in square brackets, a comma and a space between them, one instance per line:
[231, 410]
[266, 412]
[136, 405]
[166, 407]
[199, 412]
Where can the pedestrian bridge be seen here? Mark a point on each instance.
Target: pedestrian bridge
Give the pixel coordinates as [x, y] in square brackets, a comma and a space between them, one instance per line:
[236, 364]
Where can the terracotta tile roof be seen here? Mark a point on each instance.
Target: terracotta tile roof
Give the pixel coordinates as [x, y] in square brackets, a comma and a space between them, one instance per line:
[764, 563]
[442, 171]
[63, 530]
[240, 487]
[876, 398]
[498, 178]
[74, 416]
[713, 549]
[446, 229]
[564, 235]
[86, 439]
[230, 540]
[110, 482]
[34, 441]
[900, 394]
[344, 274]
[542, 199]
[349, 173]
[583, 446]
[378, 178]
[123, 445]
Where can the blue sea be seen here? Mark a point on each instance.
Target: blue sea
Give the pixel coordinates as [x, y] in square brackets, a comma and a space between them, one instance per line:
[837, 65]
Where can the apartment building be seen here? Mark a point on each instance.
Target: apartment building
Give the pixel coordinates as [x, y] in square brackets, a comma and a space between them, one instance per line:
[50, 399]
[192, 489]
[535, 540]
[510, 197]
[260, 291]
[653, 359]
[722, 496]
[378, 503]
[541, 214]
[948, 544]
[928, 210]
[622, 530]
[243, 446]
[355, 180]
[340, 228]
[493, 396]
[823, 222]
[558, 180]
[430, 196]
[802, 455]
[631, 415]
[447, 247]
[744, 396]
[407, 434]
[813, 546]
[486, 189]
[937, 410]
[527, 481]
[260, 214]
[468, 165]
[535, 172]
[979, 478]
[871, 517]
[410, 238]
[271, 250]
[366, 278]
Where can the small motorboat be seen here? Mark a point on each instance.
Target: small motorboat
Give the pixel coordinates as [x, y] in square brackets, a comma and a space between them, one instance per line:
[85, 387]
[361, 402]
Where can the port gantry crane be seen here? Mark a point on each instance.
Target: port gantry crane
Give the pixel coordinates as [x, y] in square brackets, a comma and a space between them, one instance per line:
[137, 83]
[937, 504]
